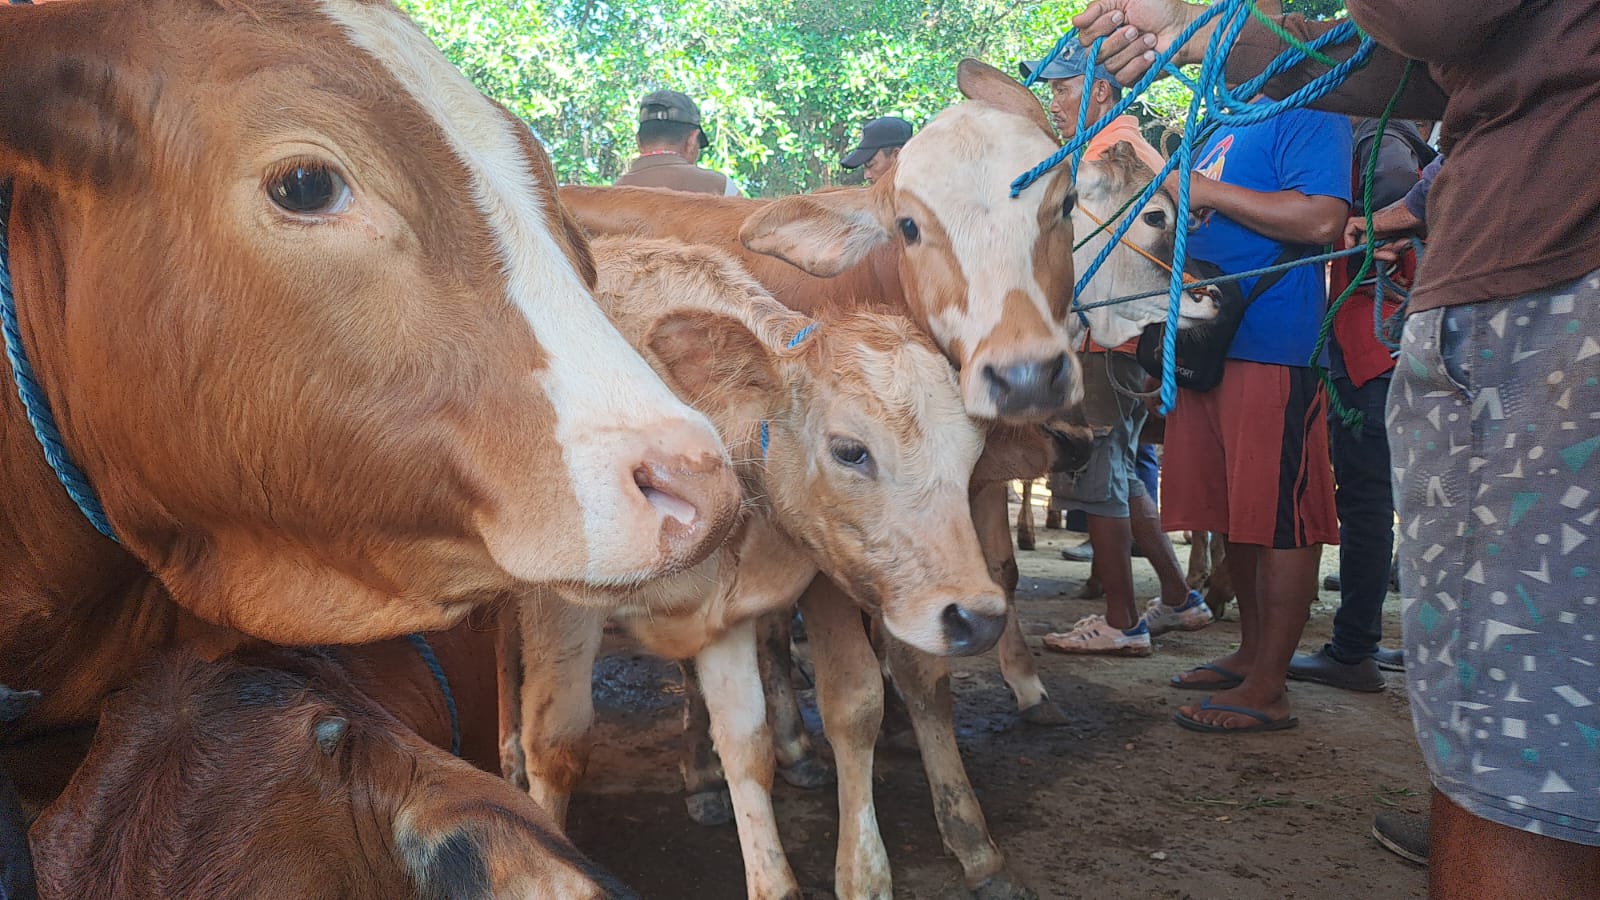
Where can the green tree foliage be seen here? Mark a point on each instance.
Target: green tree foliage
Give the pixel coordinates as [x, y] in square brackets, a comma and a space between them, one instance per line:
[784, 84]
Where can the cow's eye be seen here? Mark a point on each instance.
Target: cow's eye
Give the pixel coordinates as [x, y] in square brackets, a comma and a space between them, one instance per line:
[854, 455]
[309, 189]
[1155, 218]
[909, 231]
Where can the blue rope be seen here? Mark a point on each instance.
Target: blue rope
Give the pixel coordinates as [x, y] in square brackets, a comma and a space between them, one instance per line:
[799, 337]
[1224, 108]
[34, 402]
[432, 662]
[1237, 276]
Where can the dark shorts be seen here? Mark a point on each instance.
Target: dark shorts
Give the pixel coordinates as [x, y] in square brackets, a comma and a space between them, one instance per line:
[1249, 459]
[1111, 477]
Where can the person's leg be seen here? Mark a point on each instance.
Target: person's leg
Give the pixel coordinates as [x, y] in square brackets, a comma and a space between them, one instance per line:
[1113, 564]
[1145, 520]
[1149, 466]
[1497, 458]
[1364, 494]
[1475, 859]
[1272, 421]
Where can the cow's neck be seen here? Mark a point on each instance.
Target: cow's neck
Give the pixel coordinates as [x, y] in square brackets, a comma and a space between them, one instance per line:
[78, 614]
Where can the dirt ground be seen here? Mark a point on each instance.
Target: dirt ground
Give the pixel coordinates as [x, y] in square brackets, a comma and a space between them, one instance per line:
[1120, 803]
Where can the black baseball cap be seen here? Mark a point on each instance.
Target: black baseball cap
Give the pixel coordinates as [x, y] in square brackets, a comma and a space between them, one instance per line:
[888, 131]
[671, 106]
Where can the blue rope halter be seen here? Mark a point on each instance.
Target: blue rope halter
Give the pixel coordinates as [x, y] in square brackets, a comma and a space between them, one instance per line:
[37, 407]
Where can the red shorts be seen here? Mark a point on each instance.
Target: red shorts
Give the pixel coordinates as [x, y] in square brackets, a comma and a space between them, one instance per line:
[1249, 459]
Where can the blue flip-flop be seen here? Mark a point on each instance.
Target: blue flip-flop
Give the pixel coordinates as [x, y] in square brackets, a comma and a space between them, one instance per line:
[1229, 679]
[1267, 723]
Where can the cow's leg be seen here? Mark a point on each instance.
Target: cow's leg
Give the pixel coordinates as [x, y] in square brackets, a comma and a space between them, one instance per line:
[705, 787]
[850, 695]
[1016, 660]
[1199, 560]
[508, 690]
[1025, 536]
[730, 681]
[924, 681]
[797, 759]
[559, 645]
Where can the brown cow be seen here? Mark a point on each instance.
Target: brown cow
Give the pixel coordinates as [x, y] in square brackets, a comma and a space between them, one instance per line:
[301, 773]
[840, 426]
[942, 225]
[316, 328]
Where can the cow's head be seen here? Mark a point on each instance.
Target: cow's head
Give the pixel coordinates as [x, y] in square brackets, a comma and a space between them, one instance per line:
[851, 431]
[1104, 186]
[989, 276]
[315, 325]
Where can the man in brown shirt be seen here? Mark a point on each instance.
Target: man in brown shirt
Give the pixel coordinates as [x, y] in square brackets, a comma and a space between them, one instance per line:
[670, 141]
[1494, 414]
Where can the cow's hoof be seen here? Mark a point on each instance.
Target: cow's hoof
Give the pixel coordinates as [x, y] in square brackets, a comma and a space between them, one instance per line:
[1046, 713]
[710, 808]
[809, 773]
[1003, 886]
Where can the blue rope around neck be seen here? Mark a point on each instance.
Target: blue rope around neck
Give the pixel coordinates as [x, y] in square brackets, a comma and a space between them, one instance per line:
[426, 652]
[37, 407]
[34, 402]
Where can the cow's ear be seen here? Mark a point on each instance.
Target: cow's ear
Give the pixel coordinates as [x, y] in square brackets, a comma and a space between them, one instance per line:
[70, 110]
[987, 85]
[710, 358]
[823, 234]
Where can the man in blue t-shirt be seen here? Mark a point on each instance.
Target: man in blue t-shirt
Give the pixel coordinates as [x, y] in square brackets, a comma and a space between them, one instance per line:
[1249, 458]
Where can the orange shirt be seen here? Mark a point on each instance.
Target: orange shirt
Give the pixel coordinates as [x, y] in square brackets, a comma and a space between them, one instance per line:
[1122, 128]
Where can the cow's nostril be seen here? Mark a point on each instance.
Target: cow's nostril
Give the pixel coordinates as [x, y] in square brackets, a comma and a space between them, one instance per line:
[967, 633]
[670, 504]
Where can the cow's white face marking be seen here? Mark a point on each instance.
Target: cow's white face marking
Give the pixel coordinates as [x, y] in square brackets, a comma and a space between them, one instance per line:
[607, 401]
[959, 170]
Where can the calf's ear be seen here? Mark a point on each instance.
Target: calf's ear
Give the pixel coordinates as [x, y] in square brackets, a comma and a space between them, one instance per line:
[72, 111]
[823, 234]
[711, 359]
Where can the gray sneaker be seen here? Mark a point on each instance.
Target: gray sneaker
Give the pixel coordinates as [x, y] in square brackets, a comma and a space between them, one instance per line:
[1404, 834]
[1322, 668]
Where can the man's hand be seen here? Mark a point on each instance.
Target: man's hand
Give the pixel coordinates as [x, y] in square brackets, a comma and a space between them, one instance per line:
[1136, 30]
[1355, 234]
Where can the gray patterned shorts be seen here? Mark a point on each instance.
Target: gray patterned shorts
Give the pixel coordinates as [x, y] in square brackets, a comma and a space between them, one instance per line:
[1494, 421]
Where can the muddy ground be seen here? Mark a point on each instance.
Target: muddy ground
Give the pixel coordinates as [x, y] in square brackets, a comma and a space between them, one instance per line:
[1120, 803]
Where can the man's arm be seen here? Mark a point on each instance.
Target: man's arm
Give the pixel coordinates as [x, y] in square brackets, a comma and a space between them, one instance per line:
[1287, 216]
[1135, 30]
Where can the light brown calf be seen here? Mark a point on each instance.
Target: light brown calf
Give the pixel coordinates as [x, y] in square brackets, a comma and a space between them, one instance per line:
[838, 425]
[990, 278]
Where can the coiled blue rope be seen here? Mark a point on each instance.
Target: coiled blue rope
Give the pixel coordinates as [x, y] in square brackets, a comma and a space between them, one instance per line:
[1224, 108]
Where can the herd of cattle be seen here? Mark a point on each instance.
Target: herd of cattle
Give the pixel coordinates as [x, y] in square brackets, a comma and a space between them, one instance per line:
[343, 364]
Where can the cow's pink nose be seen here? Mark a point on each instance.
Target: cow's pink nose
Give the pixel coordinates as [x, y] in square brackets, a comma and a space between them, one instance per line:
[697, 499]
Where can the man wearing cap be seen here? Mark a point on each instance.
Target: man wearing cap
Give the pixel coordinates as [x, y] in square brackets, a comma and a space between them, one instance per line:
[881, 140]
[670, 141]
[1119, 506]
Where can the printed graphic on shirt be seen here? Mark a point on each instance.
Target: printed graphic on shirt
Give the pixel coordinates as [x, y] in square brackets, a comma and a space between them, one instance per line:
[1216, 159]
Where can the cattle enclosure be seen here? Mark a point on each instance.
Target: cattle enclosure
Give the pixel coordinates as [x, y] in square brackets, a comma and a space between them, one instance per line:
[1119, 804]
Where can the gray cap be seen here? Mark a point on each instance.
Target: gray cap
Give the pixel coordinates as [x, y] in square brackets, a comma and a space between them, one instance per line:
[671, 106]
[1071, 62]
[888, 131]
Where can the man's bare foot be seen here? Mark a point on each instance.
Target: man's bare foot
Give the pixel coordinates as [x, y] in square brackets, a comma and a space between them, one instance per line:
[1275, 708]
[1201, 676]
